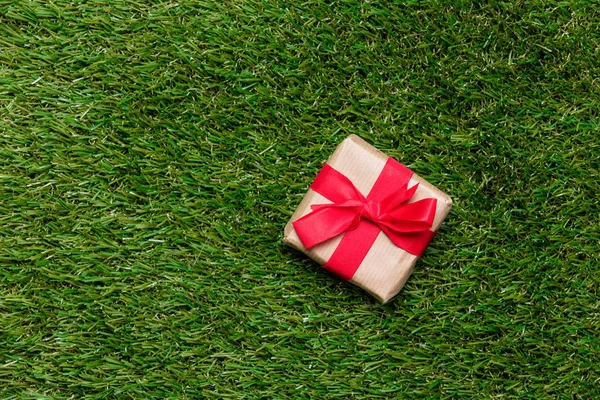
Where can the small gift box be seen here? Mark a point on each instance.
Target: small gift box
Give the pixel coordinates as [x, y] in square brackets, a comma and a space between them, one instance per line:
[367, 218]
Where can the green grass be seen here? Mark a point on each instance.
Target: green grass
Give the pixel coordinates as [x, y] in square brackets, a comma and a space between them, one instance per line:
[152, 152]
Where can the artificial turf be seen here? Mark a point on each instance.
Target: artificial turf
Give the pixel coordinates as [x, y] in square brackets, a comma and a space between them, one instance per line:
[151, 153]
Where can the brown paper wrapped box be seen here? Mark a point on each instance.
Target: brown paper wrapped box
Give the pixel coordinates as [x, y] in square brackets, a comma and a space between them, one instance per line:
[385, 269]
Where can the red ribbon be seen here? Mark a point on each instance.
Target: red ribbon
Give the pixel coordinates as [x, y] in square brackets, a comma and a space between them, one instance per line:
[361, 218]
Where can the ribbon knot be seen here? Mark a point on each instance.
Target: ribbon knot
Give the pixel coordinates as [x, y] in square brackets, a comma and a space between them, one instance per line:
[370, 210]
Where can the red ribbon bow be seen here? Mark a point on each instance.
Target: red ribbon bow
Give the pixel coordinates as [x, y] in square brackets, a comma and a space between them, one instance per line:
[362, 218]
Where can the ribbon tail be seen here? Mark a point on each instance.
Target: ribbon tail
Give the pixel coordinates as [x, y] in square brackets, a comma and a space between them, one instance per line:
[399, 196]
[325, 223]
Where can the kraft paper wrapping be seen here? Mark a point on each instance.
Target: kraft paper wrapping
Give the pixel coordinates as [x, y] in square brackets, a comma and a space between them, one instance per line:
[385, 268]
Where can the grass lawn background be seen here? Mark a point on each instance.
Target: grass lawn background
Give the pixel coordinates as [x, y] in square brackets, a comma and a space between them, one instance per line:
[151, 153]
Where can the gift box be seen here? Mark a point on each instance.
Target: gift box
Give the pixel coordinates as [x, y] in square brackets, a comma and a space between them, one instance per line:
[367, 218]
